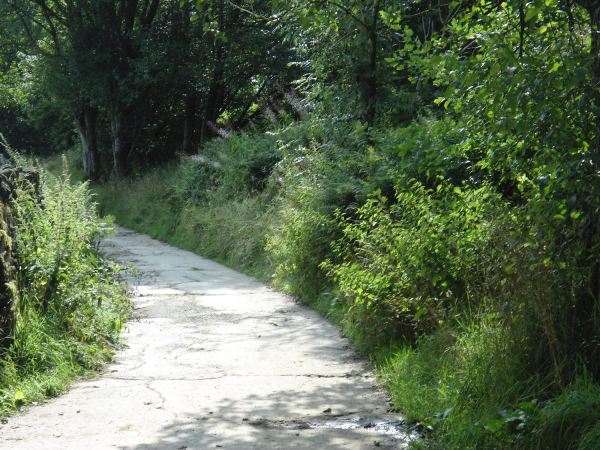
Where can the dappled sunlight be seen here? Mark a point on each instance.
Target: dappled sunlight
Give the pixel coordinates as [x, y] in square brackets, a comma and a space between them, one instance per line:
[287, 417]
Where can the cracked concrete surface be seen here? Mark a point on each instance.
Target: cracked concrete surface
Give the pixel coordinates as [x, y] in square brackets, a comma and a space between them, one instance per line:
[214, 359]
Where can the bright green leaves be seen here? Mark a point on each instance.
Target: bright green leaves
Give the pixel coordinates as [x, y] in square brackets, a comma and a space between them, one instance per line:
[532, 13]
[420, 313]
[412, 267]
[392, 19]
[527, 104]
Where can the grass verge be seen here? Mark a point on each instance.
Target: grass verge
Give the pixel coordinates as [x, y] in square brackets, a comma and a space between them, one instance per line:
[71, 306]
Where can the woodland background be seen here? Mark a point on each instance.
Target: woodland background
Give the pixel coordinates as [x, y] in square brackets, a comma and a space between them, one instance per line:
[423, 172]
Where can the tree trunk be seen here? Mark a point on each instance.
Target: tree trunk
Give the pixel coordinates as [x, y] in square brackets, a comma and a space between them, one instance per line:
[367, 76]
[86, 126]
[215, 92]
[242, 120]
[120, 146]
[190, 119]
[212, 102]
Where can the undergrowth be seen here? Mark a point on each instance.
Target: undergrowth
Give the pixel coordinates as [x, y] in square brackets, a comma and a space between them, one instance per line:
[70, 306]
[467, 293]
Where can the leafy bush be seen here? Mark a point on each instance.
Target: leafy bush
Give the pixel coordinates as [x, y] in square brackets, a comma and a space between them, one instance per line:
[239, 166]
[407, 266]
[315, 181]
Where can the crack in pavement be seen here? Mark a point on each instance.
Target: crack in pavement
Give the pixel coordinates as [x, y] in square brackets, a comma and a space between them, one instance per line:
[152, 379]
[162, 398]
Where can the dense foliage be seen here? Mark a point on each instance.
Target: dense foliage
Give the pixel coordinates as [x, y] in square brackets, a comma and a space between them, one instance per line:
[70, 306]
[134, 76]
[463, 315]
[424, 172]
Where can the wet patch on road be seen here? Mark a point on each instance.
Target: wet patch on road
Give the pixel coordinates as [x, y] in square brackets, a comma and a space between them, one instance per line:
[395, 431]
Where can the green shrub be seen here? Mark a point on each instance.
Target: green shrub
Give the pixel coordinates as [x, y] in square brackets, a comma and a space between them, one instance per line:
[239, 166]
[406, 267]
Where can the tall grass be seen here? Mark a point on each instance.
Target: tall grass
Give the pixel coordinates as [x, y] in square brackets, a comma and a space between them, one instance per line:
[71, 306]
[229, 232]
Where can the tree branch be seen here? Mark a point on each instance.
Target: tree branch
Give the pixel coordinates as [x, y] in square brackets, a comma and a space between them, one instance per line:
[348, 12]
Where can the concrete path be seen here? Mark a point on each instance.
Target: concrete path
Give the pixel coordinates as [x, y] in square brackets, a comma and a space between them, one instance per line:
[214, 359]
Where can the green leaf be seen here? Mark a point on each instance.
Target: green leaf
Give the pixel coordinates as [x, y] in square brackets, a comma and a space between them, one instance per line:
[19, 395]
[555, 67]
[581, 73]
[510, 268]
[512, 100]
[557, 83]
[538, 206]
[220, 36]
[420, 313]
[449, 91]
[532, 13]
[494, 425]
[304, 22]
[527, 407]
